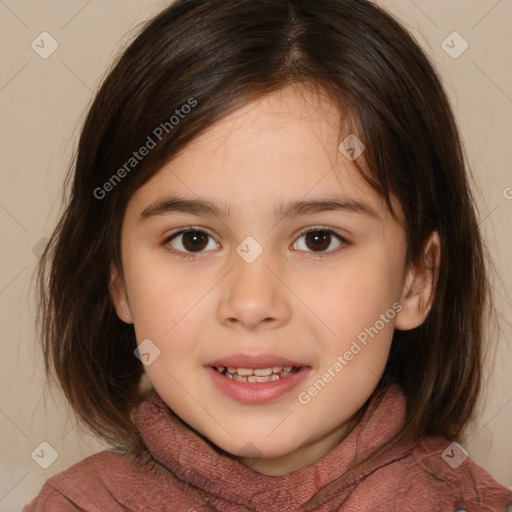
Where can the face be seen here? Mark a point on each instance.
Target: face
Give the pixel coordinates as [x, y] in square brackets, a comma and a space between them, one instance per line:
[286, 258]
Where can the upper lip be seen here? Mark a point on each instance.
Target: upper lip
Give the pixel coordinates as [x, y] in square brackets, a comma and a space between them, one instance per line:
[254, 361]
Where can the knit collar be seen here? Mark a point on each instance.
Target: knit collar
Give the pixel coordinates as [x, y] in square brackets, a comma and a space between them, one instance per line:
[197, 463]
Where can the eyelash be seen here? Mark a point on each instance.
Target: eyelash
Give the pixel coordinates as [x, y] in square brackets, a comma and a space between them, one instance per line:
[313, 229]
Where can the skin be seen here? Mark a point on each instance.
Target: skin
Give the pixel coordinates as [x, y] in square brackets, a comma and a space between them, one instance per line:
[290, 301]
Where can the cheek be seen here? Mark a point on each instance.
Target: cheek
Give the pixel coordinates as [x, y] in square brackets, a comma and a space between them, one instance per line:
[359, 306]
[168, 311]
[161, 296]
[357, 293]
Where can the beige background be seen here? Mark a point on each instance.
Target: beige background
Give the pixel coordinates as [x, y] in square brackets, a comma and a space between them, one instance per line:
[43, 102]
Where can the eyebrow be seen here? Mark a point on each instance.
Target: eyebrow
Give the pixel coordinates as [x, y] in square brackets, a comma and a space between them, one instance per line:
[175, 204]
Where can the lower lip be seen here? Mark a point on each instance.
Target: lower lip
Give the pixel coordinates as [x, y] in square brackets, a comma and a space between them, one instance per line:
[257, 392]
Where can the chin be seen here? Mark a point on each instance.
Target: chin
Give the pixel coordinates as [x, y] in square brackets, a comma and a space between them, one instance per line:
[258, 448]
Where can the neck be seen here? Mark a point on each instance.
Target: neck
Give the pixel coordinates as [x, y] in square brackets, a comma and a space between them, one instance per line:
[306, 455]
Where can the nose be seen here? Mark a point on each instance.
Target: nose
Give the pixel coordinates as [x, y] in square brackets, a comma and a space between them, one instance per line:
[254, 297]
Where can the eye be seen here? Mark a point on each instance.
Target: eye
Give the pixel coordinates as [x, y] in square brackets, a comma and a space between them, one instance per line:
[189, 241]
[318, 240]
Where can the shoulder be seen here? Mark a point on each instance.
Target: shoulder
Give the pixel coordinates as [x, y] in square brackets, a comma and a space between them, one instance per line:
[431, 475]
[90, 485]
[447, 466]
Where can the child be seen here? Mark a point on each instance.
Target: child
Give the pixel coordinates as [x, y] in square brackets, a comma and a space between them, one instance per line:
[268, 291]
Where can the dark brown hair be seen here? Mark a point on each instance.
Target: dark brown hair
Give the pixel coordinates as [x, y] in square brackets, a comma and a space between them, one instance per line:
[221, 55]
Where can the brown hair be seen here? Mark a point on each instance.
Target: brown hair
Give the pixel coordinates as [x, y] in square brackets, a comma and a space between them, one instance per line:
[221, 55]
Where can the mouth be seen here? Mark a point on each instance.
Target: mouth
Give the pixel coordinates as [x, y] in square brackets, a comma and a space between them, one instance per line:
[257, 374]
[256, 379]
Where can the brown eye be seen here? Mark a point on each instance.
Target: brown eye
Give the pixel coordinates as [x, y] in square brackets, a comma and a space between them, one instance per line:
[195, 240]
[191, 241]
[319, 240]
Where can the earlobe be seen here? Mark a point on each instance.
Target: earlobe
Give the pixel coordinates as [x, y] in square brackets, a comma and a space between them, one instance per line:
[420, 286]
[119, 296]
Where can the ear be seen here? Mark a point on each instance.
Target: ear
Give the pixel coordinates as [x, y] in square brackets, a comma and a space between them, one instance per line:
[420, 285]
[119, 296]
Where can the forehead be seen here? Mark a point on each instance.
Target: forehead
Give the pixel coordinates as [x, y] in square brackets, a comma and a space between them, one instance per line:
[280, 148]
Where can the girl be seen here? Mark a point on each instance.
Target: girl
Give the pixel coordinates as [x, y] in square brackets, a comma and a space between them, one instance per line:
[268, 290]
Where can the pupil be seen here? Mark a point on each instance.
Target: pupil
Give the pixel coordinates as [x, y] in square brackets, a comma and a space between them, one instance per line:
[320, 239]
[196, 239]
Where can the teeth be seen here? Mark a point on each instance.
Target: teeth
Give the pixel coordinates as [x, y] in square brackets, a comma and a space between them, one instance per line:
[262, 372]
[244, 371]
[257, 374]
[267, 378]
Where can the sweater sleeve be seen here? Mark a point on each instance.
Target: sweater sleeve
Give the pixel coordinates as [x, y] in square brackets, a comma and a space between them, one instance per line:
[94, 484]
[51, 500]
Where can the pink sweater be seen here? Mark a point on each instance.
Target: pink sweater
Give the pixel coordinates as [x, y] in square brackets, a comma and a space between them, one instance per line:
[186, 474]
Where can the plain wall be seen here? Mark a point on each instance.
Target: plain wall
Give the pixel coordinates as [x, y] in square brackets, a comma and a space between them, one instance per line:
[43, 102]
